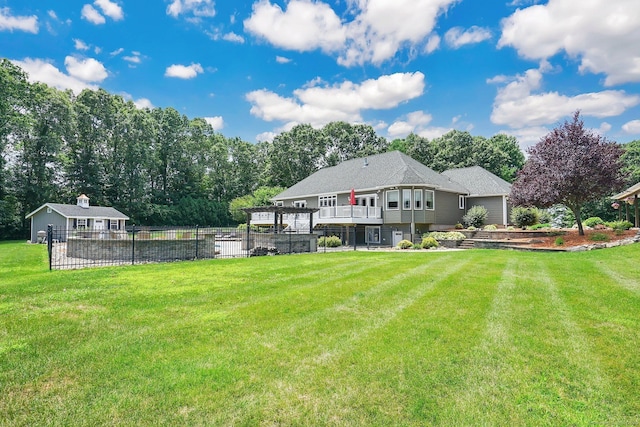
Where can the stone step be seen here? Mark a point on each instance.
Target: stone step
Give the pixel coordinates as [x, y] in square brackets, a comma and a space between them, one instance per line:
[467, 244]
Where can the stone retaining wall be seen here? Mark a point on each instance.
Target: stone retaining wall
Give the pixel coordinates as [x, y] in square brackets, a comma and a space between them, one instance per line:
[143, 250]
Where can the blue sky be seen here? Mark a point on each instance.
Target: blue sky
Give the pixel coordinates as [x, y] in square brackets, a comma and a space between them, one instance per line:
[256, 68]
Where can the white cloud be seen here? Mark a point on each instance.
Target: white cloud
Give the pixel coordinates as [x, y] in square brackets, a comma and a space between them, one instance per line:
[433, 132]
[88, 70]
[134, 58]
[517, 106]
[378, 30]
[266, 136]
[319, 103]
[282, 60]
[216, 122]
[527, 136]
[184, 71]
[604, 128]
[603, 35]
[433, 43]
[80, 45]
[402, 128]
[52, 14]
[632, 127]
[233, 37]
[457, 37]
[303, 26]
[117, 52]
[8, 22]
[197, 8]
[143, 103]
[92, 15]
[382, 27]
[111, 9]
[42, 71]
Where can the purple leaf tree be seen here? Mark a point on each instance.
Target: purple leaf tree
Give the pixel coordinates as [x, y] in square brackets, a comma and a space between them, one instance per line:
[571, 166]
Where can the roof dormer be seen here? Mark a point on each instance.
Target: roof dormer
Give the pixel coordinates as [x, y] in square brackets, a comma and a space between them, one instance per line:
[83, 201]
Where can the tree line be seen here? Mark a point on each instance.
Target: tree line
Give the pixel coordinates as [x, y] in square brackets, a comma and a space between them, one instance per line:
[162, 168]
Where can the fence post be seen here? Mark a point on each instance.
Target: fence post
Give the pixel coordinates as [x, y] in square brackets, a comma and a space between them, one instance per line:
[50, 244]
[289, 241]
[197, 241]
[133, 245]
[249, 238]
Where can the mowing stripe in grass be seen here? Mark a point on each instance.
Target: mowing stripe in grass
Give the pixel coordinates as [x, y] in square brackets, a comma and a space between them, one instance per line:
[285, 393]
[622, 277]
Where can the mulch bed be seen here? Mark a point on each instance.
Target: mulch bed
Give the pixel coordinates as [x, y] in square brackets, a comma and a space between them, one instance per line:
[572, 238]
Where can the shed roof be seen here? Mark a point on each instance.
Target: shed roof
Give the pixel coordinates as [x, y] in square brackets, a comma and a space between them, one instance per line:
[378, 171]
[479, 181]
[74, 211]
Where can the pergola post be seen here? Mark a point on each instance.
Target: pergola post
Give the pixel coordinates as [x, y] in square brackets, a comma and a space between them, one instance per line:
[635, 204]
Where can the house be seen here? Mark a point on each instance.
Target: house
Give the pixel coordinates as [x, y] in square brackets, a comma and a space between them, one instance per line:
[77, 217]
[630, 197]
[485, 189]
[389, 197]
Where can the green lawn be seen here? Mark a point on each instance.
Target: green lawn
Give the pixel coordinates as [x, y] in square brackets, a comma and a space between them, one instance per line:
[354, 338]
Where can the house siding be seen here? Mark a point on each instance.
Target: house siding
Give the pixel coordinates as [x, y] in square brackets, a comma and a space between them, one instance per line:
[42, 219]
[493, 206]
[447, 211]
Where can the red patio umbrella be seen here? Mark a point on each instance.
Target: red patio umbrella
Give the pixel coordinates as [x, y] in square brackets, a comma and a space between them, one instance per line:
[352, 197]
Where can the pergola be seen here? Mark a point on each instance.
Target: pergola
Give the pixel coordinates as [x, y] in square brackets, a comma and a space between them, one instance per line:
[629, 194]
[278, 214]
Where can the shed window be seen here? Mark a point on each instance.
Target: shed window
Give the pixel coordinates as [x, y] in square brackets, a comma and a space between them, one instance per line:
[461, 202]
[82, 223]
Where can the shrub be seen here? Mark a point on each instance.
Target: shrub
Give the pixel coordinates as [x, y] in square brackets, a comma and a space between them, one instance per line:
[539, 226]
[490, 227]
[510, 228]
[619, 225]
[471, 228]
[524, 217]
[416, 246]
[592, 222]
[329, 242]
[243, 227]
[476, 216]
[429, 242]
[405, 244]
[544, 216]
[559, 241]
[459, 226]
[599, 237]
[447, 235]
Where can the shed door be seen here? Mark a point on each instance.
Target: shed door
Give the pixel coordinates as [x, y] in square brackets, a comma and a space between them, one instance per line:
[98, 224]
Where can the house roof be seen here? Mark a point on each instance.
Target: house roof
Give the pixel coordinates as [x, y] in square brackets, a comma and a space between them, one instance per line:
[374, 172]
[479, 181]
[74, 211]
[631, 191]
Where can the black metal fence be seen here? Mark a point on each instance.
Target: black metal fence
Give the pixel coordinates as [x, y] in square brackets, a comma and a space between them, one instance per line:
[78, 248]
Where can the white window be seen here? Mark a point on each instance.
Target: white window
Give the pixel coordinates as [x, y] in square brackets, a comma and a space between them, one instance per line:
[300, 204]
[327, 201]
[461, 202]
[48, 210]
[279, 203]
[406, 199]
[372, 235]
[113, 224]
[81, 223]
[393, 200]
[429, 200]
[417, 199]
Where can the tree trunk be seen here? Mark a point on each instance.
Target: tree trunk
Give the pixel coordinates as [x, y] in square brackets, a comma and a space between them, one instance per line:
[576, 212]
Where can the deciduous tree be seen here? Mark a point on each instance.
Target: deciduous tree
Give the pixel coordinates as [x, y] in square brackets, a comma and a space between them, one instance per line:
[571, 165]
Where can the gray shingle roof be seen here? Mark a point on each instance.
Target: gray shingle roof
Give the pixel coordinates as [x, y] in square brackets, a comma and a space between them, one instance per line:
[479, 181]
[74, 211]
[381, 170]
